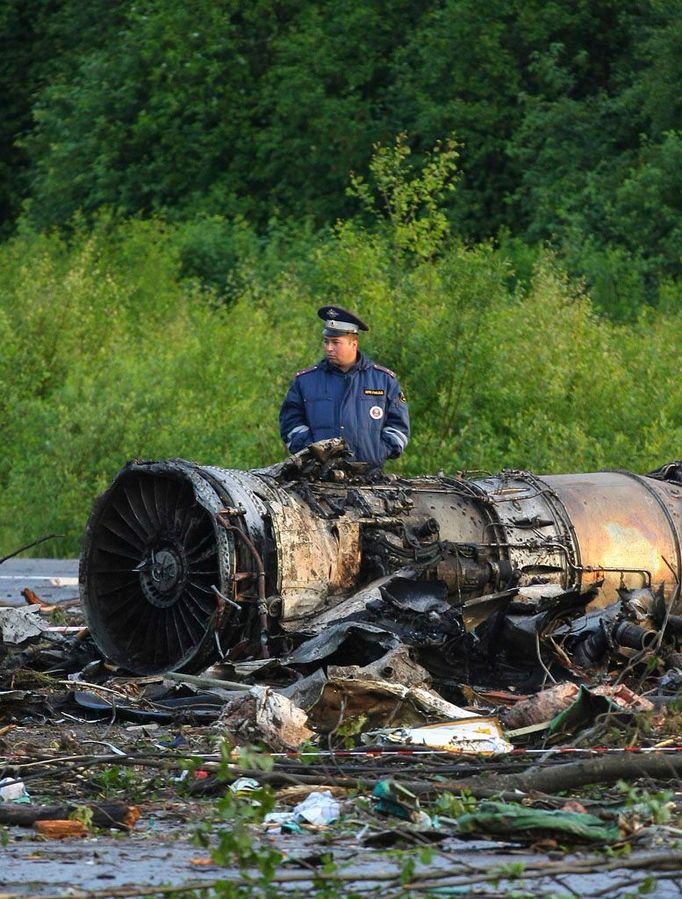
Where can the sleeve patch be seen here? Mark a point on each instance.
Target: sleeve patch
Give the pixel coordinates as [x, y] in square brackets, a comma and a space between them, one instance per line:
[402, 397]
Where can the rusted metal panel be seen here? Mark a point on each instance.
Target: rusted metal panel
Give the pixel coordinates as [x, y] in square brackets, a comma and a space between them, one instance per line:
[315, 558]
[626, 527]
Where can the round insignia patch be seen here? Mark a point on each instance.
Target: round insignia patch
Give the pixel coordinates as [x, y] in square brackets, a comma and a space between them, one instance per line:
[376, 412]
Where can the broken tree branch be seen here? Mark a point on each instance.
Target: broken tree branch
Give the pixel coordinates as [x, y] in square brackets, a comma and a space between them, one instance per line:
[30, 546]
[603, 769]
[104, 814]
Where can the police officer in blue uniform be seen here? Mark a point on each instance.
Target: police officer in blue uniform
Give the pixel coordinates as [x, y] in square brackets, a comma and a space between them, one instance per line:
[346, 395]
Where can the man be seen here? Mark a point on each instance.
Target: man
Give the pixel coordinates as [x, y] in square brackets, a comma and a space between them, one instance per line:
[346, 395]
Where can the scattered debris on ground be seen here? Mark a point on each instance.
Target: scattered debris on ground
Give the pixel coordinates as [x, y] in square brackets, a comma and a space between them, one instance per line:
[316, 653]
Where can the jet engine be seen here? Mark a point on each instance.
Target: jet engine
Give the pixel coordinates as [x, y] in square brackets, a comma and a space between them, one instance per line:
[184, 564]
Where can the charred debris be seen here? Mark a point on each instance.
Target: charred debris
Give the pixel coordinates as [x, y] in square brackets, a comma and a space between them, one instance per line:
[423, 660]
[329, 599]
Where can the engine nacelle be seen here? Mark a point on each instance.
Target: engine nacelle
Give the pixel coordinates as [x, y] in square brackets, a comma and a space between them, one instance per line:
[183, 564]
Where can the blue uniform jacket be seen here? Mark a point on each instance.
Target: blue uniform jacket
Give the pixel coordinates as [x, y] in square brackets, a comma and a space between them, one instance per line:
[364, 405]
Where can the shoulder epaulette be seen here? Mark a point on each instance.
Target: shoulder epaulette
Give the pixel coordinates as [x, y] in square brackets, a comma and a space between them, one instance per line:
[304, 371]
[383, 368]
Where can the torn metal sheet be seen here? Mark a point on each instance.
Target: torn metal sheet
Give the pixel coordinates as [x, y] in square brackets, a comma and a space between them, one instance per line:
[354, 605]
[19, 626]
[476, 611]
[200, 707]
[416, 596]
[13, 696]
[362, 643]
[311, 563]
[374, 702]
[390, 676]
[396, 665]
[306, 691]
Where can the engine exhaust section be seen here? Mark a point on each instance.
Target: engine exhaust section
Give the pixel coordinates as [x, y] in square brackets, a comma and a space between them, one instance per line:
[183, 565]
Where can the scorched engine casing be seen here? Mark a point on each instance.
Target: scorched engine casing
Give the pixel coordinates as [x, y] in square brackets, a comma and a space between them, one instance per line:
[183, 564]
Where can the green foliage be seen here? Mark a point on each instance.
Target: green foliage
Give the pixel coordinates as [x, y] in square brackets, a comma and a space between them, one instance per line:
[58, 618]
[114, 782]
[655, 807]
[648, 205]
[231, 834]
[124, 341]
[453, 806]
[513, 871]
[249, 758]
[83, 814]
[232, 842]
[412, 202]
[213, 114]
[217, 108]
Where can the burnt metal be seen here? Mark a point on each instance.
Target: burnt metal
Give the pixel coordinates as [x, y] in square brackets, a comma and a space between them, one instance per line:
[262, 605]
[633, 636]
[671, 471]
[152, 558]
[184, 564]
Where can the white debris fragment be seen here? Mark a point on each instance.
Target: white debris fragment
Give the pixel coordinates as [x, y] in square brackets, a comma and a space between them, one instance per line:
[18, 625]
[262, 714]
[318, 808]
[12, 790]
[479, 735]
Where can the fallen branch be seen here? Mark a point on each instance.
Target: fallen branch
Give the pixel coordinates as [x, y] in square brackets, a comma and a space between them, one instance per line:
[540, 781]
[423, 788]
[104, 814]
[568, 776]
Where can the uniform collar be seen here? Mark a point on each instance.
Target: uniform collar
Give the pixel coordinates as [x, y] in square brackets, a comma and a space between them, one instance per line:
[361, 364]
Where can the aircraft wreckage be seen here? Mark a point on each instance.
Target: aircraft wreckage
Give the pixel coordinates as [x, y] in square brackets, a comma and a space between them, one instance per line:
[184, 565]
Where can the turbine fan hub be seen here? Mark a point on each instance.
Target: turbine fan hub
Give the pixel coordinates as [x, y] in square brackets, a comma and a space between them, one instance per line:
[162, 576]
[154, 559]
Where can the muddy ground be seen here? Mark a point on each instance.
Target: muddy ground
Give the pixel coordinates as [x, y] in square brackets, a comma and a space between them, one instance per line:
[176, 773]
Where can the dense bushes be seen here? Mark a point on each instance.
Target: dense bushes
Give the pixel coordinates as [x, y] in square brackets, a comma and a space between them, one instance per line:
[110, 351]
[567, 114]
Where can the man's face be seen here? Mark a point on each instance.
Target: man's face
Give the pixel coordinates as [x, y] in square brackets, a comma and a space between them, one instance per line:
[341, 351]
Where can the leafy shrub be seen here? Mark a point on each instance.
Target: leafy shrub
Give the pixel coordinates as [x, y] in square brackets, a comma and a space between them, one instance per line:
[112, 350]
